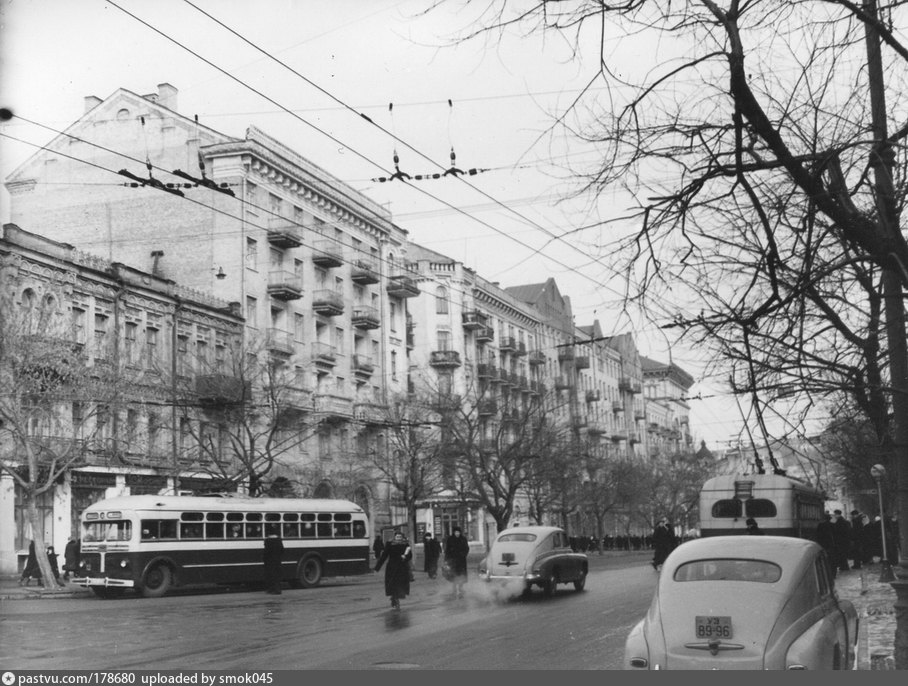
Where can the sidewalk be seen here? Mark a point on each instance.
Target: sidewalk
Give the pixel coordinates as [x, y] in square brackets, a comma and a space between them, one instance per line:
[874, 601]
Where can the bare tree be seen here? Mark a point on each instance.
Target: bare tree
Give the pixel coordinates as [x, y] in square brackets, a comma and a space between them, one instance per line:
[55, 408]
[782, 120]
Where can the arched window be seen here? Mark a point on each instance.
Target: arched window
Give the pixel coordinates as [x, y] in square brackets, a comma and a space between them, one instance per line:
[441, 300]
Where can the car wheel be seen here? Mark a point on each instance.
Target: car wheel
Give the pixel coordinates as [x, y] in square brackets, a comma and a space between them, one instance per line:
[548, 587]
[157, 581]
[581, 582]
[310, 573]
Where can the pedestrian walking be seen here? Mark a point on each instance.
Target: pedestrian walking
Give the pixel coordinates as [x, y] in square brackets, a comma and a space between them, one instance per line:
[71, 555]
[272, 558]
[857, 539]
[31, 569]
[52, 561]
[377, 546]
[753, 529]
[456, 551]
[826, 539]
[431, 552]
[842, 531]
[397, 554]
[663, 543]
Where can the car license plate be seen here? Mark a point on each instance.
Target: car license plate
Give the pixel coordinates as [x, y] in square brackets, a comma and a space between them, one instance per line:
[713, 627]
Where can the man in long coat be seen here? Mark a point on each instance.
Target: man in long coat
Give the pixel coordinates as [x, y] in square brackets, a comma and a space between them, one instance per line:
[431, 552]
[457, 548]
[274, 552]
[663, 543]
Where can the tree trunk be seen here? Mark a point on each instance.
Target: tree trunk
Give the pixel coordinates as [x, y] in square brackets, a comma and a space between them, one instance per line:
[47, 576]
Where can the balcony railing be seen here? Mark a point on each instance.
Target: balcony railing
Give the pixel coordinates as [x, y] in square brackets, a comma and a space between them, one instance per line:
[327, 253]
[536, 357]
[364, 273]
[562, 383]
[486, 371]
[324, 354]
[617, 406]
[485, 334]
[282, 233]
[280, 342]
[444, 358]
[565, 353]
[507, 344]
[284, 285]
[593, 396]
[521, 349]
[328, 302]
[363, 364]
[628, 385]
[582, 362]
[221, 389]
[334, 405]
[365, 317]
[487, 407]
[595, 428]
[370, 413]
[400, 286]
[474, 319]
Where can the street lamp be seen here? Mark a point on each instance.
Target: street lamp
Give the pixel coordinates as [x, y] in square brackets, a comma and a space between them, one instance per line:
[878, 471]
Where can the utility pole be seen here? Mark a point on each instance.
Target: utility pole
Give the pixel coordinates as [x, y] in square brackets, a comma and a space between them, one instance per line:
[882, 162]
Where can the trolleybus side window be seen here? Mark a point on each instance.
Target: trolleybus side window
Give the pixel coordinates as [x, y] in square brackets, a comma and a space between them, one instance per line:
[159, 528]
[359, 529]
[727, 508]
[291, 525]
[214, 525]
[761, 507]
[324, 525]
[307, 525]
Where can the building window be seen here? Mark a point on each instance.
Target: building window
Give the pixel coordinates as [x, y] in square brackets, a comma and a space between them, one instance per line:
[441, 300]
[183, 366]
[130, 342]
[392, 317]
[101, 322]
[151, 346]
[251, 311]
[299, 328]
[252, 253]
[444, 340]
[78, 324]
[339, 340]
[393, 365]
[252, 193]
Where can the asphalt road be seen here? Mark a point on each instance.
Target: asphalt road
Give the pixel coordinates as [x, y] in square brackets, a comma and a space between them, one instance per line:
[343, 624]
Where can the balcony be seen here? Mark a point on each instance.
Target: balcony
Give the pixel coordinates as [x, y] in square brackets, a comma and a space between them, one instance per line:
[328, 254]
[619, 435]
[284, 285]
[280, 342]
[486, 371]
[298, 399]
[324, 354]
[505, 378]
[401, 286]
[487, 408]
[562, 383]
[633, 437]
[628, 385]
[485, 334]
[282, 233]
[328, 302]
[370, 413]
[474, 319]
[521, 349]
[363, 273]
[593, 396]
[595, 428]
[221, 389]
[334, 406]
[582, 362]
[617, 406]
[579, 422]
[365, 317]
[444, 358]
[511, 416]
[639, 415]
[566, 354]
[536, 357]
[363, 365]
[522, 383]
[508, 344]
[537, 388]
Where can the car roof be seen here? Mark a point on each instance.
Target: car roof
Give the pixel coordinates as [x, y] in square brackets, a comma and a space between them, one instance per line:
[786, 551]
[538, 530]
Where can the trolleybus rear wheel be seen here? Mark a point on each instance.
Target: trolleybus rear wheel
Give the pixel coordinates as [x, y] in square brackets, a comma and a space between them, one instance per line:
[310, 571]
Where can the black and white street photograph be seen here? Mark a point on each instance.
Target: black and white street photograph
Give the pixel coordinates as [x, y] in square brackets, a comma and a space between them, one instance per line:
[451, 335]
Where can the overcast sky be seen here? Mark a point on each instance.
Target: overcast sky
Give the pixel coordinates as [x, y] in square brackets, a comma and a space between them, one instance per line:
[349, 58]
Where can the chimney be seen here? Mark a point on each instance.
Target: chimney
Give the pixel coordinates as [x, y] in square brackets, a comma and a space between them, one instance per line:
[91, 101]
[167, 96]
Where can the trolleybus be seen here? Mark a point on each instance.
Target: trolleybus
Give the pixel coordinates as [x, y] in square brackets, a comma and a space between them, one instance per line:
[782, 505]
[152, 543]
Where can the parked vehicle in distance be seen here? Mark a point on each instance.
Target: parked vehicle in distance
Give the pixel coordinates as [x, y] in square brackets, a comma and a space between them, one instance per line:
[745, 602]
[525, 556]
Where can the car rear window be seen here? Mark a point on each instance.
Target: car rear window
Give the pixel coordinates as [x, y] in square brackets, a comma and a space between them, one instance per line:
[512, 538]
[759, 571]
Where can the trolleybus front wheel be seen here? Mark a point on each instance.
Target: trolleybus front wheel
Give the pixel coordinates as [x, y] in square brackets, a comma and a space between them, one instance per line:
[157, 582]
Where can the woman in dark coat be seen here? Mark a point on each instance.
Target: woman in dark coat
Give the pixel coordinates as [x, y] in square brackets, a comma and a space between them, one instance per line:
[31, 569]
[456, 551]
[274, 552]
[431, 551]
[663, 543]
[397, 554]
[71, 557]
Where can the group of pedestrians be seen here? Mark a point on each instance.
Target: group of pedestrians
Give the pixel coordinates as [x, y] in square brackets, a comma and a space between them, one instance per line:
[397, 558]
[852, 543]
[32, 570]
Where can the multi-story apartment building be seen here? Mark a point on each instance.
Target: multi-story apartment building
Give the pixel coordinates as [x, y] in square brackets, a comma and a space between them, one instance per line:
[123, 326]
[667, 408]
[314, 264]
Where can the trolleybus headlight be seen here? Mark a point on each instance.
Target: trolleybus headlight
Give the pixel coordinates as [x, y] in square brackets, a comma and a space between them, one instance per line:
[124, 564]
